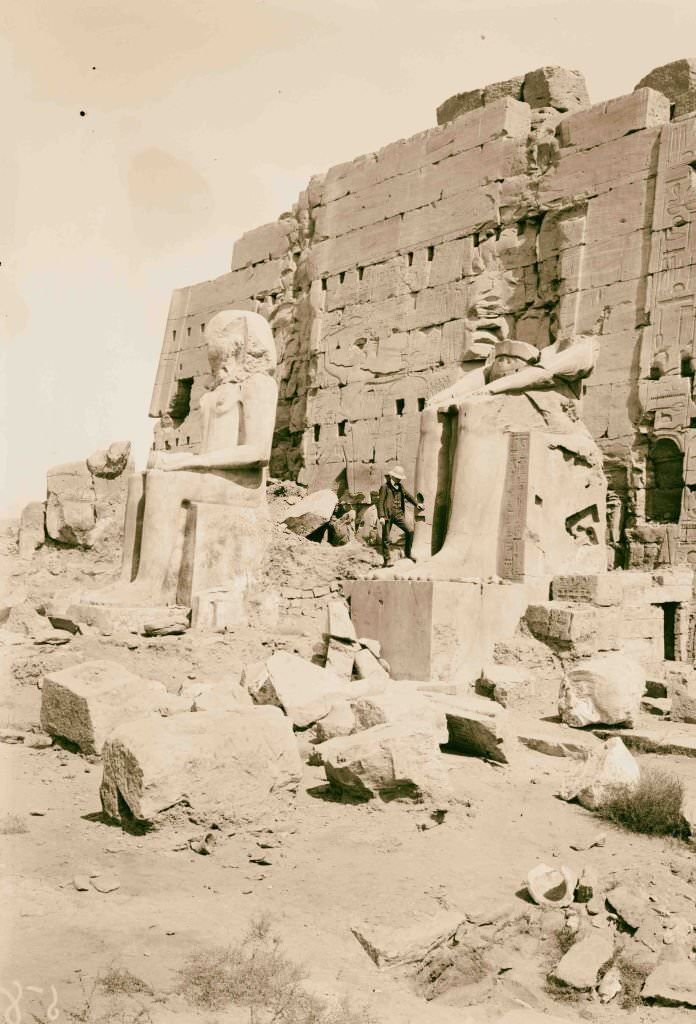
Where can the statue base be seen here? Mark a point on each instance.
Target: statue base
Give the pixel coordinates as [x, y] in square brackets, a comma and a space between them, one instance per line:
[437, 629]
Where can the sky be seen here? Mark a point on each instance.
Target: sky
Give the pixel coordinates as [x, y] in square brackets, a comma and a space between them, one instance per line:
[143, 136]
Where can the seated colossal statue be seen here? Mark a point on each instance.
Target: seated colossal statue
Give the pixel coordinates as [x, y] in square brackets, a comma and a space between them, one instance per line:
[510, 477]
[196, 520]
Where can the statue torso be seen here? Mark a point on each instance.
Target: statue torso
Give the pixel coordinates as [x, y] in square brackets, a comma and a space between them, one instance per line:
[221, 409]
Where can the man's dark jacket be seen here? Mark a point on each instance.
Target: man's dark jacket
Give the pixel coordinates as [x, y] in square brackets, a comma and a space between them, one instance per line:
[390, 502]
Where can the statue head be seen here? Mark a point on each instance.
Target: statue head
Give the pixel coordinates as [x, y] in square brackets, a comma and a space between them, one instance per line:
[240, 343]
[509, 356]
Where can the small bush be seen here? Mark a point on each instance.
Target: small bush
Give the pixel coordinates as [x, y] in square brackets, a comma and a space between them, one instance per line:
[257, 974]
[653, 807]
[120, 982]
[12, 825]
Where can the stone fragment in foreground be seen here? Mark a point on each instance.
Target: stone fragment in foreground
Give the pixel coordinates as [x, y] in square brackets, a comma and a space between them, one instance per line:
[672, 983]
[32, 528]
[227, 766]
[339, 624]
[85, 702]
[478, 733]
[610, 766]
[505, 683]
[580, 966]
[310, 514]
[401, 760]
[367, 666]
[630, 903]
[390, 946]
[552, 887]
[305, 692]
[604, 690]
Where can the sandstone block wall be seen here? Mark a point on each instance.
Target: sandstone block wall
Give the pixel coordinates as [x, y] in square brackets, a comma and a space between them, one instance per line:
[526, 212]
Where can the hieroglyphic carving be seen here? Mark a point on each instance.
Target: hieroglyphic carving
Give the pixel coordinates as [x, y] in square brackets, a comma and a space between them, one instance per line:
[514, 520]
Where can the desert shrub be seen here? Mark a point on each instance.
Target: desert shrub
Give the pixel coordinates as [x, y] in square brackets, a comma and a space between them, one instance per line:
[653, 807]
[120, 982]
[257, 974]
[12, 825]
[632, 980]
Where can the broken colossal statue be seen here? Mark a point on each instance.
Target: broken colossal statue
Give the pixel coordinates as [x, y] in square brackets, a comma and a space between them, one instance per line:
[196, 522]
[511, 478]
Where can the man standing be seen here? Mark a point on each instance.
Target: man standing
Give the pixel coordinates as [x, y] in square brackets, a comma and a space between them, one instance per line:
[391, 506]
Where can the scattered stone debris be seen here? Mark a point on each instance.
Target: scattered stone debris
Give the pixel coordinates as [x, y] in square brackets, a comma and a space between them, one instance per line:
[552, 887]
[604, 770]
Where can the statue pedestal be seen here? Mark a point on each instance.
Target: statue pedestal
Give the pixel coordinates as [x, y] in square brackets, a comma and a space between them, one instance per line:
[432, 629]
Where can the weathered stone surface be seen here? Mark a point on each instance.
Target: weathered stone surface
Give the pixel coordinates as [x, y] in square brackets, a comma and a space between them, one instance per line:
[312, 513]
[660, 739]
[32, 528]
[390, 946]
[85, 702]
[644, 108]
[555, 87]
[505, 684]
[110, 462]
[552, 887]
[630, 903]
[672, 983]
[604, 690]
[555, 740]
[339, 624]
[70, 511]
[461, 103]
[682, 687]
[678, 83]
[581, 965]
[367, 666]
[478, 733]
[302, 690]
[401, 760]
[229, 766]
[340, 657]
[609, 767]
[339, 721]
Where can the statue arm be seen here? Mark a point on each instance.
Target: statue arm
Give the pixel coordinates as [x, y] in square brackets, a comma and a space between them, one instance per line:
[571, 362]
[443, 400]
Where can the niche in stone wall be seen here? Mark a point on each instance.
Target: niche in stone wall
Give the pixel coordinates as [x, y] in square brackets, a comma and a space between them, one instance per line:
[181, 403]
[665, 481]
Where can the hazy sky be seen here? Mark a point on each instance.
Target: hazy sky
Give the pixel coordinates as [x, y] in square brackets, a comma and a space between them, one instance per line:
[202, 119]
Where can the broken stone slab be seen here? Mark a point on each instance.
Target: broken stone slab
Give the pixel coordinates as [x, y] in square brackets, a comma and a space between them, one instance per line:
[32, 528]
[110, 462]
[606, 769]
[630, 903]
[389, 946]
[340, 721]
[340, 658]
[682, 688]
[478, 733]
[312, 513]
[677, 81]
[603, 690]
[85, 702]
[400, 760]
[367, 666]
[552, 887]
[109, 619]
[644, 108]
[304, 691]
[339, 624]
[580, 966]
[672, 983]
[662, 738]
[556, 740]
[232, 766]
[374, 646]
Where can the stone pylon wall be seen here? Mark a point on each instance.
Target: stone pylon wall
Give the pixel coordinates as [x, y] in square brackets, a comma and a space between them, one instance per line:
[526, 212]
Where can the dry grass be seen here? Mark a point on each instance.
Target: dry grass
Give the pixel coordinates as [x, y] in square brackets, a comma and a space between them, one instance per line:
[654, 807]
[120, 982]
[258, 975]
[13, 825]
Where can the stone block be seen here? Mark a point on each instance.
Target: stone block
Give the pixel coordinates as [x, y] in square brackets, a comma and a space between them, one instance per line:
[267, 242]
[610, 766]
[312, 513]
[644, 108]
[672, 983]
[437, 630]
[682, 690]
[339, 624]
[84, 703]
[340, 658]
[505, 684]
[32, 528]
[367, 665]
[110, 462]
[70, 512]
[603, 589]
[555, 87]
[678, 83]
[304, 691]
[229, 767]
[580, 966]
[604, 690]
[460, 103]
[401, 760]
[478, 733]
[390, 946]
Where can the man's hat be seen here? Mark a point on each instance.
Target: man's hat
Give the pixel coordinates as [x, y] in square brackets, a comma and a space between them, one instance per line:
[397, 472]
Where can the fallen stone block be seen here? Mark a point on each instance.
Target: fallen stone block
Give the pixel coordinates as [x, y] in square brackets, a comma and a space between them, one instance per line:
[556, 740]
[312, 513]
[505, 684]
[389, 946]
[672, 983]
[32, 528]
[478, 733]
[552, 887]
[631, 904]
[85, 702]
[663, 738]
[391, 705]
[608, 768]
[340, 721]
[339, 624]
[367, 666]
[305, 692]
[401, 760]
[604, 690]
[340, 658]
[580, 966]
[234, 766]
